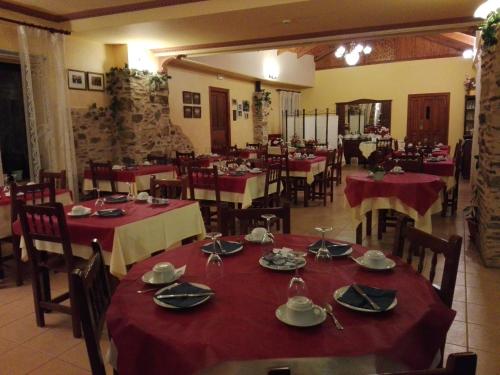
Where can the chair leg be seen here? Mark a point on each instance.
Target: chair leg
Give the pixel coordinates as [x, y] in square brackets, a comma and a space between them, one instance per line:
[16, 253]
[369, 223]
[37, 296]
[75, 315]
[2, 275]
[359, 234]
[445, 203]
[381, 223]
[306, 194]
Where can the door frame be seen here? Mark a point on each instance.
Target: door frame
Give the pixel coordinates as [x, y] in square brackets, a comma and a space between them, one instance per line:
[447, 94]
[226, 91]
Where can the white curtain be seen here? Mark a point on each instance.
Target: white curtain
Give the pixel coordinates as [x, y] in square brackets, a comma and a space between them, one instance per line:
[289, 102]
[48, 121]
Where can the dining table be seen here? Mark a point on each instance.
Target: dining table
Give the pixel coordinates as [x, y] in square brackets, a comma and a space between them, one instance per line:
[445, 169]
[143, 230]
[132, 179]
[239, 322]
[416, 195]
[62, 195]
[306, 168]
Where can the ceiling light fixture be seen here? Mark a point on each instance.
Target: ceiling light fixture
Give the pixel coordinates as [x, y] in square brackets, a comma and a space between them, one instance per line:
[286, 21]
[469, 53]
[352, 55]
[486, 8]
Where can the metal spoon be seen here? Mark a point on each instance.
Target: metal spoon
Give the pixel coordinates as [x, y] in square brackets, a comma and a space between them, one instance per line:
[329, 311]
[147, 290]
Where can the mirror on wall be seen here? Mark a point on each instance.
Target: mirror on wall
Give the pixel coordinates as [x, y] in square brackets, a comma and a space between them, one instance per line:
[363, 116]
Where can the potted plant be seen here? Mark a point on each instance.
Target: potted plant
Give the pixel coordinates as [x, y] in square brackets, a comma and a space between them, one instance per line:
[378, 172]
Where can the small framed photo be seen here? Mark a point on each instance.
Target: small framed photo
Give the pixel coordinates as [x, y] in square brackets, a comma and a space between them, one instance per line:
[234, 102]
[240, 107]
[240, 114]
[234, 115]
[246, 115]
[187, 98]
[95, 81]
[196, 98]
[246, 106]
[196, 112]
[188, 111]
[76, 80]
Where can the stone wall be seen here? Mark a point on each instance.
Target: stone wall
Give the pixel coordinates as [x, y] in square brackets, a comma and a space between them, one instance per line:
[488, 181]
[260, 130]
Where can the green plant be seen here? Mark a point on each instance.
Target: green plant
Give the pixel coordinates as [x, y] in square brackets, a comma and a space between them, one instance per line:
[262, 102]
[489, 29]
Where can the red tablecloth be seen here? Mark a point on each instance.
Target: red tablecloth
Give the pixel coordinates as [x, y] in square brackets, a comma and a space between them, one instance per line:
[304, 165]
[83, 230]
[439, 168]
[128, 175]
[239, 323]
[5, 200]
[417, 190]
[232, 184]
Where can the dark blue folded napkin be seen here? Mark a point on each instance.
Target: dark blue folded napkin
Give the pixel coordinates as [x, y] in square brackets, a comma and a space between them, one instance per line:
[382, 297]
[334, 248]
[225, 247]
[181, 289]
[116, 199]
[111, 213]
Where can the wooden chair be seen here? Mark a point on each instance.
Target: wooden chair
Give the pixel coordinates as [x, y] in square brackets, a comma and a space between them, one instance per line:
[232, 151]
[285, 171]
[273, 178]
[450, 199]
[338, 164]
[418, 242]
[102, 172]
[410, 163]
[376, 158]
[158, 159]
[48, 223]
[59, 178]
[93, 296]
[182, 166]
[249, 218]
[384, 145]
[171, 189]
[456, 364]
[184, 155]
[325, 180]
[256, 146]
[206, 179]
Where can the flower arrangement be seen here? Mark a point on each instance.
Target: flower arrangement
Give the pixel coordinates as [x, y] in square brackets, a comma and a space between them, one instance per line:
[489, 29]
[469, 84]
[276, 142]
[295, 141]
[310, 142]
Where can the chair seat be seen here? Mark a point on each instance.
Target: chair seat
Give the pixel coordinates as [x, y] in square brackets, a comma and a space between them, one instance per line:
[55, 262]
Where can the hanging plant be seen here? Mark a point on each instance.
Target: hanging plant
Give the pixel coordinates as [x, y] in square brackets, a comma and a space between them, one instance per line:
[157, 82]
[262, 102]
[489, 29]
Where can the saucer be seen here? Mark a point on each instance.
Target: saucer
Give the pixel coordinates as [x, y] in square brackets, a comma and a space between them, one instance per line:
[318, 318]
[250, 239]
[87, 212]
[389, 264]
[340, 291]
[148, 277]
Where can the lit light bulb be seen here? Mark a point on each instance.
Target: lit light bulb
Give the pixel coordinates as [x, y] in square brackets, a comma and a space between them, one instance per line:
[468, 54]
[367, 50]
[352, 58]
[339, 52]
[486, 8]
[358, 48]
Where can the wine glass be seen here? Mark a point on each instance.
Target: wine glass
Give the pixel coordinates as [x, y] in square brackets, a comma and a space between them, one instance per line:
[214, 267]
[99, 201]
[297, 287]
[268, 237]
[323, 254]
[130, 195]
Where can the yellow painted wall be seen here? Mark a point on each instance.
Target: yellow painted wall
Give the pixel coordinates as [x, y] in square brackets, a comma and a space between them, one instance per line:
[395, 81]
[198, 130]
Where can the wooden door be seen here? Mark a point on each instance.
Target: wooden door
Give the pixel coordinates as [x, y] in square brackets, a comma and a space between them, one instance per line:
[428, 117]
[220, 129]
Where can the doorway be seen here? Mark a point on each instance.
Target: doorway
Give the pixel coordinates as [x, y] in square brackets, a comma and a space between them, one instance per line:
[428, 117]
[13, 141]
[220, 126]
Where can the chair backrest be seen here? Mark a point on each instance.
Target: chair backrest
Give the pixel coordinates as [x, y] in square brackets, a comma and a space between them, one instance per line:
[58, 178]
[184, 155]
[182, 165]
[384, 144]
[250, 218]
[340, 154]
[203, 178]
[416, 242]
[102, 172]
[457, 161]
[411, 163]
[273, 177]
[172, 189]
[158, 159]
[44, 192]
[322, 144]
[456, 364]
[331, 161]
[254, 145]
[44, 222]
[93, 296]
[232, 151]
[377, 157]
[128, 161]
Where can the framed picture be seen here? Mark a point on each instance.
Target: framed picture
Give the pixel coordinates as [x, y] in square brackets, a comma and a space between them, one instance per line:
[240, 107]
[234, 102]
[196, 98]
[187, 98]
[246, 106]
[240, 114]
[188, 111]
[246, 115]
[95, 81]
[76, 80]
[196, 112]
[234, 115]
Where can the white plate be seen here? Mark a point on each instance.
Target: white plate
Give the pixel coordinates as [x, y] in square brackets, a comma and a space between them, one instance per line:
[255, 171]
[276, 267]
[347, 252]
[250, 239]
[225, 252]
[340, 292]
[389, 264]
[166, 305]
[87, 212]
[282, 316]
[148, 277]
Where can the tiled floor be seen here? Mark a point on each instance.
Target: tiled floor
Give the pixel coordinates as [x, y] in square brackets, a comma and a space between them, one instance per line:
[26, 348]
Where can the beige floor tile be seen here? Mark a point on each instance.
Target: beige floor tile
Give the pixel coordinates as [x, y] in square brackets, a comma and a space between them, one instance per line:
[486, 315]
[77, 356]
[450, 348]
[53, 341]
[457, 334]
[22, 360]
[486, 295]
[58, 367]
[6, 345]
[485, 338]
[460, 308]
[21, 330]
[487, 363]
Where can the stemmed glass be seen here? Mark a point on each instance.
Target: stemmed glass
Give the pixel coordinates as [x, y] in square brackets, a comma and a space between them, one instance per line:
[268, 237]
[297, 286]
[130, 196]
[214, 267]
[99, 201]
[323, 254]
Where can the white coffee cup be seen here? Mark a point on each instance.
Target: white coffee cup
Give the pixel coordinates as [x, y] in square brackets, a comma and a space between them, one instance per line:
[142, 196]
[78, 210]
[375, 258]
[163, 272]
[300, 309]
[258, 234]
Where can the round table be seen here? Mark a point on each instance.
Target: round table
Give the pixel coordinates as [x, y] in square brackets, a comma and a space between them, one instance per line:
[239, 323]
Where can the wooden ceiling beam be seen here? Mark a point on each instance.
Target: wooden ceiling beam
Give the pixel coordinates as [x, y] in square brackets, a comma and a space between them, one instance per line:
[461, 37]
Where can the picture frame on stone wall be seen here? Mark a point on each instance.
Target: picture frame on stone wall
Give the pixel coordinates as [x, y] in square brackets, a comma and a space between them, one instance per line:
[76, 80]
[187, 97]
[95, 81]
[196, 98]
[188, 111]
[196, 112]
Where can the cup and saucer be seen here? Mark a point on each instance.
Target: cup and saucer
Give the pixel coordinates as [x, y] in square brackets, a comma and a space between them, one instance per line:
[300, 311]
[397, 170]
[142, 197]
[258, 235]
[163, 273]
[79, 211]
[375, 260]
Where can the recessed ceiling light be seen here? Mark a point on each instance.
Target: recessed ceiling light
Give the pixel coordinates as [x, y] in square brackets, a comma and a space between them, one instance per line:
[286, 21]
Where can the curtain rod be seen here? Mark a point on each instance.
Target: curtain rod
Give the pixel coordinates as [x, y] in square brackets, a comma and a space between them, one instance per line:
[49, 29]
[298, 92]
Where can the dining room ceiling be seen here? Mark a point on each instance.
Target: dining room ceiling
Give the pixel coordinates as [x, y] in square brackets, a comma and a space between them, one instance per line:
[187, 26]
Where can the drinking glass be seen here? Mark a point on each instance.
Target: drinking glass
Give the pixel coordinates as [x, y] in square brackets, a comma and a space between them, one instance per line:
[323, 254]
[268, 239]
[297, 286]
[214, 267]
[130, 196]
[99, 201]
